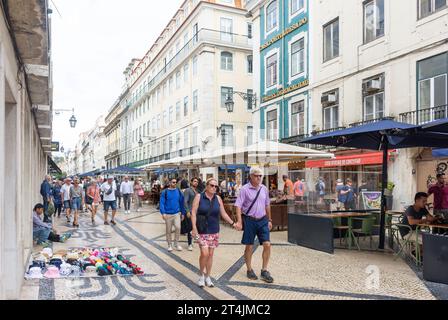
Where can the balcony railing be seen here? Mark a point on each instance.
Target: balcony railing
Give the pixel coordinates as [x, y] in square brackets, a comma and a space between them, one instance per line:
[167, 156]
[361, 123]
[297, 140]
[203, 35]
[423, 116]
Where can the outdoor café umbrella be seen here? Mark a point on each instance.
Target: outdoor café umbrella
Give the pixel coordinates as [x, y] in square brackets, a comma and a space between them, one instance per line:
[382, 135]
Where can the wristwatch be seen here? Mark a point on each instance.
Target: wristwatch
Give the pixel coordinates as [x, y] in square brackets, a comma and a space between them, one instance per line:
[270, 220]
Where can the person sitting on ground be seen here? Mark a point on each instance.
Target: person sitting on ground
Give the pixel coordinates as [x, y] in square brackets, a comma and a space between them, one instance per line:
[415, 215]
[43, 232]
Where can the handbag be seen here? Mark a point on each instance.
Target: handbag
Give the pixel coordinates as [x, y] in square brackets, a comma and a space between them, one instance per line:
[140, 192]
[202, 220]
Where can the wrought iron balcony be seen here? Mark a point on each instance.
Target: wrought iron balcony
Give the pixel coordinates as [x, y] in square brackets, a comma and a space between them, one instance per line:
[361, 123]
[426, 115]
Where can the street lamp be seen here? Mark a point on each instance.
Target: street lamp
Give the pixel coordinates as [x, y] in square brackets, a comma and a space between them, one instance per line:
[230, 104]
[140, 142]
[72, 120]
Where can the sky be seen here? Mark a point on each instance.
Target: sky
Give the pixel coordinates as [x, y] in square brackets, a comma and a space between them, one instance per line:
[93, 41]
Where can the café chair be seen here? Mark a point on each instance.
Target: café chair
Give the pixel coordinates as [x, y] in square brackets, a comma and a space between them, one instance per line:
[337, 225]
[406, 246]
[366, 229]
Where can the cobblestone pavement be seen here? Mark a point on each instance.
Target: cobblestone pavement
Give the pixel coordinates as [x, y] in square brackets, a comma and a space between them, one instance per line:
[299, 273]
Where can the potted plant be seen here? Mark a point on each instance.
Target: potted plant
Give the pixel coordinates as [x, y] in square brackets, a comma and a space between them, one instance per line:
[388, 193]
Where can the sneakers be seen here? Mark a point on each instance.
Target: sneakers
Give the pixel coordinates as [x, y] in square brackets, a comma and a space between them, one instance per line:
[209, 282]
[266, 276]
[113, 222]
[190, 248]
[179, 248]
[170, 248]
[64, 237]
[68, 219]
[201, 281]
[106, 223]
[45, 244]
[251, 275]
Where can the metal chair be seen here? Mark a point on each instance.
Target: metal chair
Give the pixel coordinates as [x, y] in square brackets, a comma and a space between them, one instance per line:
[366, 229]
[337, 225]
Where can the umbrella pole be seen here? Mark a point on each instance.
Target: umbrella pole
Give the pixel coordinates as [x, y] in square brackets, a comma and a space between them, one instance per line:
[383, 196]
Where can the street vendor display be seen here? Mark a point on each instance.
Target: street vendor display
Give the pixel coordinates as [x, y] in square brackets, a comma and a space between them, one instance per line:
[80, 262]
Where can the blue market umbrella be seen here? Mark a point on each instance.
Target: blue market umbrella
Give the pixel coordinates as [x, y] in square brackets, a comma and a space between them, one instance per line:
[382, 135]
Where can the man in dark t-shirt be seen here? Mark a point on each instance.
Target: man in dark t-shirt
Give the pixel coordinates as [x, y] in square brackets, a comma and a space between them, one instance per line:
[415, 215]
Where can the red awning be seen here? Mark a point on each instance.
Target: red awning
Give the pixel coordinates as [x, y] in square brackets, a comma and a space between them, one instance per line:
[345, 161]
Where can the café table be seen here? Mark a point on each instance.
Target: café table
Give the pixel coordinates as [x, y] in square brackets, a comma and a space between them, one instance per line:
[350, 216]
[428, 225]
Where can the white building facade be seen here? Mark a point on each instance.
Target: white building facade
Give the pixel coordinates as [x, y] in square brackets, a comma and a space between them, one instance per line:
[380, 59]
[177, 92]
[25, 131]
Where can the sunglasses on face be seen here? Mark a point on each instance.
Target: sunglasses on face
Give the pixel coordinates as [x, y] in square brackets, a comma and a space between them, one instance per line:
[173, 182]
[213, 185]
[258, 175]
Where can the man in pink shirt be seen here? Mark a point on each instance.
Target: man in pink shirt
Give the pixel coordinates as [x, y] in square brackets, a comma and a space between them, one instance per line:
[299, 189]
[440, 191]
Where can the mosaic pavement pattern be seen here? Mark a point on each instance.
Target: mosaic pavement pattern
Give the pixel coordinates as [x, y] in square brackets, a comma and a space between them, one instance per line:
[299, 273]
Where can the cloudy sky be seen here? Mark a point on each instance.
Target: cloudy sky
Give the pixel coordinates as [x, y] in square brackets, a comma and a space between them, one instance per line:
[92, 43]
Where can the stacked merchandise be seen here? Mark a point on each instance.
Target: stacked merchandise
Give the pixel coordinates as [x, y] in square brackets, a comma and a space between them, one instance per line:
[80, 262]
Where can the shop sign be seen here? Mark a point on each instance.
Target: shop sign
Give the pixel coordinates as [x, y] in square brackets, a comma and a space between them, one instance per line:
[287, 31]
[345, 161]
[286, 91]
[55, 146]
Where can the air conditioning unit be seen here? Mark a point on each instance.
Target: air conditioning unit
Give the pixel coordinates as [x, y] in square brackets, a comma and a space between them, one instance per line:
[372, 85]
[328, 99]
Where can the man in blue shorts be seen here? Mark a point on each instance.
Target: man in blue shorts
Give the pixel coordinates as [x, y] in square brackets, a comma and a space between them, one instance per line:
[253, 208]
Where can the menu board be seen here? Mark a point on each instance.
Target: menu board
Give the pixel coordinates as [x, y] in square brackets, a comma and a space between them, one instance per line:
[371, 200]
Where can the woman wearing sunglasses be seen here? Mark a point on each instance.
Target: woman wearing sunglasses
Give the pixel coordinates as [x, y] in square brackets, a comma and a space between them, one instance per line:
[206, 211]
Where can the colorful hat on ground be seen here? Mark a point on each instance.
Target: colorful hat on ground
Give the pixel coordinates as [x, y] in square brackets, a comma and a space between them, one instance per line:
[65, 270]
[34, 273]
[91, 270]
[52, 272]
[72, 256]
[40, 264]
[56, 262]
[76, 271]
[42, 258]
[47, 252]
[103, 272]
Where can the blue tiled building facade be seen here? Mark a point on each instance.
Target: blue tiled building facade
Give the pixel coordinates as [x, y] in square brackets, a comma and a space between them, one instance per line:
[284, 65]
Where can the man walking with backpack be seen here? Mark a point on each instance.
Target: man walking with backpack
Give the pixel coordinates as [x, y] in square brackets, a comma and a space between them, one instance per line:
[173, 211]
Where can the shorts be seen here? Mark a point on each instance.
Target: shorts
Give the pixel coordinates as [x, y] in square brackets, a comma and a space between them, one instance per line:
[209, 240]
[259, 229]
[76, 204]
[110, 204]
[67, 204]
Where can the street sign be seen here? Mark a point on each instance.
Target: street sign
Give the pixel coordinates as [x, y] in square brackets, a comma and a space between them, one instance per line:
[55, 146]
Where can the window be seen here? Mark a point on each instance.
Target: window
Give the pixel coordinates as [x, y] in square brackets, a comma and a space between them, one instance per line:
[195, 100]
[373, 20]
[177, 141]
[225, 92]
[250, 99]
[226, 30]
[330, 104]
[226, 61]
[171, 84]
[178, 111]
[298, 118]
[195, 136]
[373, 98]
[249, 30]
[271, 16]
[170, 144]
[178, 80]
[428, 7]
[227, 135]
[250, 64]
[331, 40]
[433, 86]
[159, 125]
[298, 57]
[195, 33]
[148, 126]
[154, 125]
[271, 70]
[272, 126]
[186, 139]
[171, 115]
[185, 106]
[165, 119]
[296, 6]
[195, 65]
[186, 73]
[144, 129]
[250, 136]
